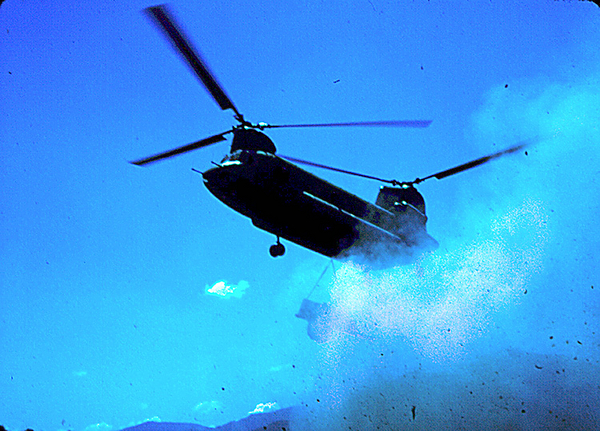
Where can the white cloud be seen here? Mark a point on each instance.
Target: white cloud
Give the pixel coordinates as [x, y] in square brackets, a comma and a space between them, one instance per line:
[224, 290]
[277, 368]
[102, 426]
[153, 419]
[261, 408]
[207, 406]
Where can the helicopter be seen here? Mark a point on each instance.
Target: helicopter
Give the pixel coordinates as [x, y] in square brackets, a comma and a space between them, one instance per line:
[291, 203]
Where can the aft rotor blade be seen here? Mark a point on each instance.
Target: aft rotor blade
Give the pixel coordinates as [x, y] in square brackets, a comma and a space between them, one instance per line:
[343, 171]
[403, 123]
[473, 163]
[180, 150]
[166, 22]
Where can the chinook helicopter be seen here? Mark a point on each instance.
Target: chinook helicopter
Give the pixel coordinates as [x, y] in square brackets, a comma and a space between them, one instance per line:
[291, 203]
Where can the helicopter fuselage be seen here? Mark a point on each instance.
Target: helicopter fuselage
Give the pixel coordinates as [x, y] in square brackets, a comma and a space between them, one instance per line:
[291, 203]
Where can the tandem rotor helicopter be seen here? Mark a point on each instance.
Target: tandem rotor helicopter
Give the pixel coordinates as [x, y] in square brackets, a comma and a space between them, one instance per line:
[291, 203]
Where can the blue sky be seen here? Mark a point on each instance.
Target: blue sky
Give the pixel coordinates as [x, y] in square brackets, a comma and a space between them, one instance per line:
[105, 266]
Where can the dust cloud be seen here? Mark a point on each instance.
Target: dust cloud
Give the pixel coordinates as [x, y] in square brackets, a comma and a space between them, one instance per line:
[497, 329]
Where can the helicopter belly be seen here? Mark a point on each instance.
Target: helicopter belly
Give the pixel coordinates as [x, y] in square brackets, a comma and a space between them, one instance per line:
[285, 211]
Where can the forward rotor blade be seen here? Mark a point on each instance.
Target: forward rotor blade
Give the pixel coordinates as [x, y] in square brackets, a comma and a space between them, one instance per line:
[409, 123]
[180, 150]
[166, 22]
[473, 163]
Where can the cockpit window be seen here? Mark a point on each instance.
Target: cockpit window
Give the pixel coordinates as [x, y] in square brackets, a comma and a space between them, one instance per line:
[232, 156]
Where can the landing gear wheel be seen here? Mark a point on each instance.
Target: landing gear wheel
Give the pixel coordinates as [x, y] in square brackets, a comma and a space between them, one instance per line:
[277, 250]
